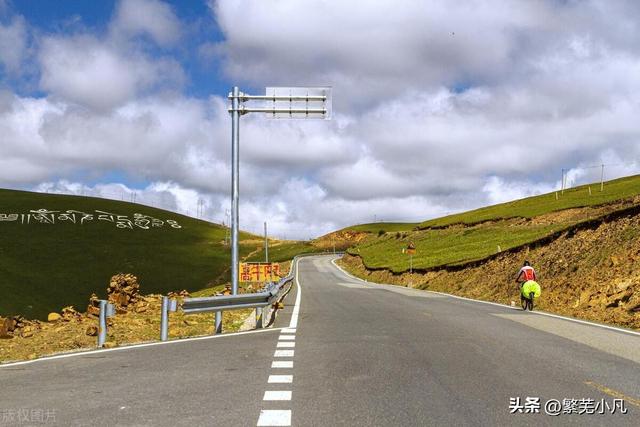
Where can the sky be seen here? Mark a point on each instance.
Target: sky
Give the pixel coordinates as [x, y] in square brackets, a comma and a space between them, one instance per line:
[438, 106]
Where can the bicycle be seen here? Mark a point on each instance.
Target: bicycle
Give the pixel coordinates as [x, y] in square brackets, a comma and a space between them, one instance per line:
[527, 302]
[529, 291]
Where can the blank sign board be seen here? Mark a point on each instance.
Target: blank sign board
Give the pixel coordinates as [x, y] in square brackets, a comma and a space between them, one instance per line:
[299, 102]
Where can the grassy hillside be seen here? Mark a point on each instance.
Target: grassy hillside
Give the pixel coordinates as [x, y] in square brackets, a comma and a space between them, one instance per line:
[284, 251]
[478, 234]
[44, 267]
[538, 205]
[375, 227]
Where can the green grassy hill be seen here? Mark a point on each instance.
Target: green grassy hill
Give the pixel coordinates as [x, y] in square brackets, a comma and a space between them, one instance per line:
[375, 227]
[531, 207]
[44, 266]
[478, 234]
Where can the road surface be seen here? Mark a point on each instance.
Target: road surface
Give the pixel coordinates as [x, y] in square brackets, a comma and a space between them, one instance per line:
[349, 353]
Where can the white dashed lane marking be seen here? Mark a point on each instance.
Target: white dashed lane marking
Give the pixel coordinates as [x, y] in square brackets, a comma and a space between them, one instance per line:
[275, 417]
[282, 364]
[277, 395]
[285, 344]
[281, 417]
[280, 379]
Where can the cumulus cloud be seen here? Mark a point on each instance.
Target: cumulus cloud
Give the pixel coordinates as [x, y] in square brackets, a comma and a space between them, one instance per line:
[97, 74]
[439, 107]
[153, 18]
[13, 44]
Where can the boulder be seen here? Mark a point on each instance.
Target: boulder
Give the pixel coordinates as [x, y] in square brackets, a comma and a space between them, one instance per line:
[92, 331]
[53, 317]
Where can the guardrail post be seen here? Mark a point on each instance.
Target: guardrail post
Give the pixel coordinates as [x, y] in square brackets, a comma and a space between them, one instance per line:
[218, 323]
[168, 305]
[106, 310]
[259, 317]
[164, 319]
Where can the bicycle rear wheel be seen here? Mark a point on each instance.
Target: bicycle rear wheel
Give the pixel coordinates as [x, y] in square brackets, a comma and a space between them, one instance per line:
[530, 301]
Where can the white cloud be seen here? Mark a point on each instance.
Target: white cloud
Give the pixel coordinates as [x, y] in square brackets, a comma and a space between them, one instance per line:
[13, 44]
[499, 191]
[439, 107]
[97, 74]
[149, 17]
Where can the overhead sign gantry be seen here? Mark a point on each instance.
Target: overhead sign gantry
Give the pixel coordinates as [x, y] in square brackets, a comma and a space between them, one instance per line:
[277, 103]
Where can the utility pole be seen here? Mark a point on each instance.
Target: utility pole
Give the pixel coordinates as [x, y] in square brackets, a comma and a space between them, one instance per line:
[602, 178]
[266, 244]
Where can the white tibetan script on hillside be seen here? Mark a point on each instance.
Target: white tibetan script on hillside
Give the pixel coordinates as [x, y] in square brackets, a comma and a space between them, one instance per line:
[45, 216]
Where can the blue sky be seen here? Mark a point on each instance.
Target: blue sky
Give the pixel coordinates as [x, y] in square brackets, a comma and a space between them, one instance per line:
[438, 106]
[68, 16]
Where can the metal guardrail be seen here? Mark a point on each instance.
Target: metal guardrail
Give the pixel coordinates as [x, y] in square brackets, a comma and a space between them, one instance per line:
[262, 301]
[226, 302]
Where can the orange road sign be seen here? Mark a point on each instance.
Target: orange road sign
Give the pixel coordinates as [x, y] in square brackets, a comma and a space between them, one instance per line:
[259, 271]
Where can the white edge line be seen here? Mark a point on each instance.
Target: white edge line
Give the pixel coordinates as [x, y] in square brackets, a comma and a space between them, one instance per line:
[541, 313]
[132, 346]
[296, 309]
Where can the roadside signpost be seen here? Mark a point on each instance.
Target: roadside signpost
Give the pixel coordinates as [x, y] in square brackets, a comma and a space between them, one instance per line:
[277, 103]
[411, 250]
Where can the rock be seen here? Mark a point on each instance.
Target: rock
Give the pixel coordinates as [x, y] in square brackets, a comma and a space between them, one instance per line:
[109, 344]
[92, 331]
[27, 332]
[123, 291]
[69, 313]
[5, 325]
[53, 317]
[623, 285]
[141, 308]
[93, 309]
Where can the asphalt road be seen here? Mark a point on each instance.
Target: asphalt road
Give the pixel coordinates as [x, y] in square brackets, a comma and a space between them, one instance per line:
[352, 354]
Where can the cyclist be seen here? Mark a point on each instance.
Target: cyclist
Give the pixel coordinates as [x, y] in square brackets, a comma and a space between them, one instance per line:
[529, 288]
[525, 274]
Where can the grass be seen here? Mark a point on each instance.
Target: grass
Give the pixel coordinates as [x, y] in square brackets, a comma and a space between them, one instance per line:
[283, 251]
[531, 207]
[478, 234]
[375, 227]
[44, 267]
[440, 247]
